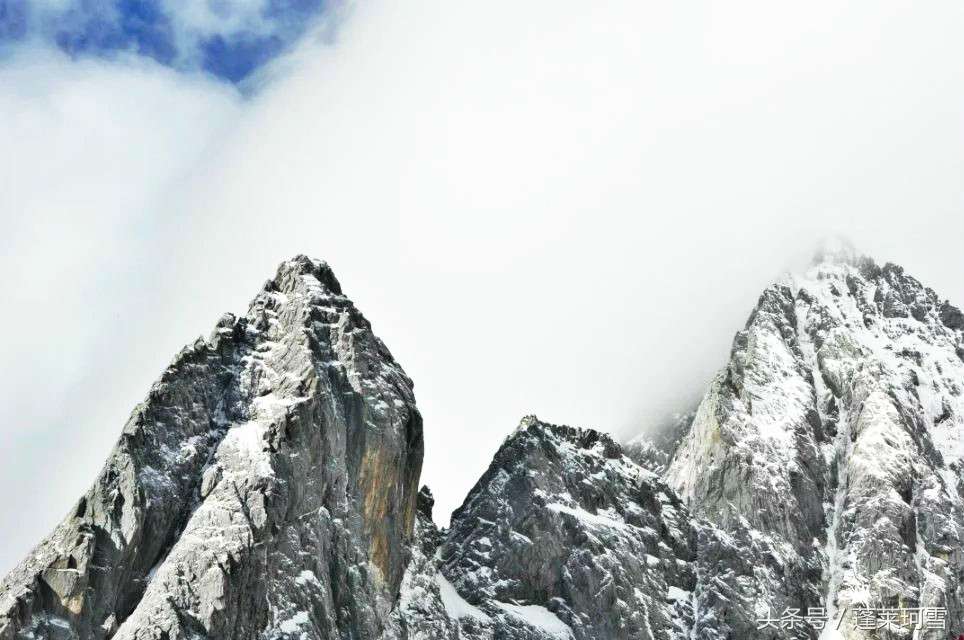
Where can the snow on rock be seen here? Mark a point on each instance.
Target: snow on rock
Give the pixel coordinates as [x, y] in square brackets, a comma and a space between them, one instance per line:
[589, 519]
[240, 501]
[828, 453]
[538, 617]
[455, 605]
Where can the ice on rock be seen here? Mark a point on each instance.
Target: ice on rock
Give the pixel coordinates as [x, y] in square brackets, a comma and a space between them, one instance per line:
[455, 605]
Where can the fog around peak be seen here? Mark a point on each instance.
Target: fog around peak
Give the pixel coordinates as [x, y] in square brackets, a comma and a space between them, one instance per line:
[563, 209]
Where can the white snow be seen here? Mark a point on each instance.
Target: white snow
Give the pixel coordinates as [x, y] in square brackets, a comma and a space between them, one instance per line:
[675, 593]
[590, 519]
[294, 623]
[538, 617]
[247, 440]
[307, 577]
[843, 446]
[455, 605]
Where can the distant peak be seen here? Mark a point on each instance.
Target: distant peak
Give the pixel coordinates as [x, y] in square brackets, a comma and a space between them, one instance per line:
[529, 421]
[837, 250]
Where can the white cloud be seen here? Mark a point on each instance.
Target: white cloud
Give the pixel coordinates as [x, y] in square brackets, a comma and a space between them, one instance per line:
[87, 150]
[555, 207]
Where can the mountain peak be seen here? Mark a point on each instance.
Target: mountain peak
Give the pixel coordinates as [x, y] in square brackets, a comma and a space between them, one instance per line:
[301, 265]
[840, 408]
[564, 525]
[293, 444]
[582, 438]
[837, 250]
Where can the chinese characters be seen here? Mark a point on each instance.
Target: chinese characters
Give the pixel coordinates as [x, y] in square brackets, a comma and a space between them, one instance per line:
[864, 618]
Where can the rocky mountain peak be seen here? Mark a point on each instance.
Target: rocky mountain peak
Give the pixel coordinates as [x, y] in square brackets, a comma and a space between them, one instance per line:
[425, 503]
[563, 524]
[286, 278]
[534, 432]
[832, 438]
[287, 445]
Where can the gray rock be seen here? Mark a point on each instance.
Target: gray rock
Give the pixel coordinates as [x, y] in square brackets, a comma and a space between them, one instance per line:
[266, 488]
[654, 450]
[563, 537]
[829, 452]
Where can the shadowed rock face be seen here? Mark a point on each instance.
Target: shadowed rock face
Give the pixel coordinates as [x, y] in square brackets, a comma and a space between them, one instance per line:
[563, 537]
[563, 519]
[266, 488]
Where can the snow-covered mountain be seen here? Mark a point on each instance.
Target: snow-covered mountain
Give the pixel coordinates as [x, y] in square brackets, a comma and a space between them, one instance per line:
[266, 489]
[833, 441]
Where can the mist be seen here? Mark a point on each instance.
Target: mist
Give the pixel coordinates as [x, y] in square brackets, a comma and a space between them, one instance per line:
[554, 208]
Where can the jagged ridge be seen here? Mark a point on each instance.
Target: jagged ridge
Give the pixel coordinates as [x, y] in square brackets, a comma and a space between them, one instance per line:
[287, 445]
[563, 537]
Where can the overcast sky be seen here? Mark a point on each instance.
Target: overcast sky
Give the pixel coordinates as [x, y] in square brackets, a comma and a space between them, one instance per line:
[563, 208]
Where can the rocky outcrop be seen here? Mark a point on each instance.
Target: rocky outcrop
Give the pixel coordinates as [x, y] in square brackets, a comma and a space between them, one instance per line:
[654, 449]
[563, 537]
[266, 488]
[831, 443]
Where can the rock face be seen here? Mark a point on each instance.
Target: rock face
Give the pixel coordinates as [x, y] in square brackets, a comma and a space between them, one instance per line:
[829, 449]
[566, 526]
[564, 537]
[654, 450]
[266, 488]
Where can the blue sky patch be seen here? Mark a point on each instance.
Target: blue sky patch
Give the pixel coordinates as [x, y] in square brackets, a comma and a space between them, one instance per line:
[227, 38]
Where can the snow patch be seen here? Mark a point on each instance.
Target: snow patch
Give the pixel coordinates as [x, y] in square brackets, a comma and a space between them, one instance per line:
[677, 594]
[295, 623]
[538, 617]
[589, 519]
[455, 605]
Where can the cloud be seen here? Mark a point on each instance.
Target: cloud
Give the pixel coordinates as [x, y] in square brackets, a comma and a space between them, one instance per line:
[87, 149]
[561, 208]
[229, 39]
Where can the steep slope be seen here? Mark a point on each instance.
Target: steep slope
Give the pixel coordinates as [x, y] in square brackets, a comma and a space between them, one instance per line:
[654, 450]
[266, 488]
[425, 600]
[832, 442]
[563, 537]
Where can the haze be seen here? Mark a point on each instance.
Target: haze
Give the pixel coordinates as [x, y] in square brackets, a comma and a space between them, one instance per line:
[561, 208]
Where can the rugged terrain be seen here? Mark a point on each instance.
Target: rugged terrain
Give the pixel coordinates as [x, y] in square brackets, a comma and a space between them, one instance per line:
[563, 537]
[831, 442]
[266, 489]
